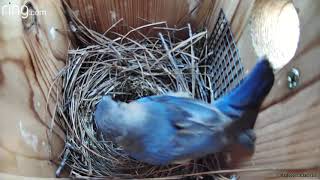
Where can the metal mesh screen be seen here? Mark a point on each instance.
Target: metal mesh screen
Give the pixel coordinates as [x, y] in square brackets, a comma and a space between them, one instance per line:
[227, 69]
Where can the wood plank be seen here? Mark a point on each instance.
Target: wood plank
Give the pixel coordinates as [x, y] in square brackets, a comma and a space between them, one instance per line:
[228, 7]
[288, 126]
[304, 174]
[306, 58]
[101, 14]
[16, 177]
[307, 51]
[287, 136]
[239, 20]
[29, 61]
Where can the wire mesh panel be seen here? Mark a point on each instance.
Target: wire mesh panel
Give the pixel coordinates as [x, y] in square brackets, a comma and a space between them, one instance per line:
[227, 69]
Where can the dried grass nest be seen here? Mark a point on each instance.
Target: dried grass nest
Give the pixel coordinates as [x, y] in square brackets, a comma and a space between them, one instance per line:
[127, 67]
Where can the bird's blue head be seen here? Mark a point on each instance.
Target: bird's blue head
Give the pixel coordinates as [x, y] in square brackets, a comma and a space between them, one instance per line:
[118, 119]
[105, 117]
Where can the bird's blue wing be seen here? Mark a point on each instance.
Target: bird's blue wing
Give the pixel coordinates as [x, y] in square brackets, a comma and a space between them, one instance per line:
[199, 113]
[191, 131]
[198, 134]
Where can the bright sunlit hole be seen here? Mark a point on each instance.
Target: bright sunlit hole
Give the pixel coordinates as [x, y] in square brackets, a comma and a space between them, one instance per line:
[275, 32]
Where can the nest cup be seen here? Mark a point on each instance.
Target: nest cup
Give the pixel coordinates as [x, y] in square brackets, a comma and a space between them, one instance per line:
[159, 60]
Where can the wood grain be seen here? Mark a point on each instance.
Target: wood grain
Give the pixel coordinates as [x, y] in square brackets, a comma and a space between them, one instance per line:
[101, 14]
[287, 128]
[16, 177]
[29, 61]
[291, 138]
[289, 124]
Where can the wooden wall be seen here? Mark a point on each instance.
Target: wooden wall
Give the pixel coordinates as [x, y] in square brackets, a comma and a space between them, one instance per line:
[289, 124]
[101, 14]
[288, 127]
[31, 53]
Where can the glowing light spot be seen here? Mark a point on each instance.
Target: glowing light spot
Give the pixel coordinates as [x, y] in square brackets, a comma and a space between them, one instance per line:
[275, 31]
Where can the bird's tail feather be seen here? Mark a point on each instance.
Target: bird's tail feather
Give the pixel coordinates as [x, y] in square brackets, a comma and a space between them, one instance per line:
[244, 102]
[251, 92]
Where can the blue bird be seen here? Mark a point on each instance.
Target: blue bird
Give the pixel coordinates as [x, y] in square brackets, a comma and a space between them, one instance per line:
[166, 129]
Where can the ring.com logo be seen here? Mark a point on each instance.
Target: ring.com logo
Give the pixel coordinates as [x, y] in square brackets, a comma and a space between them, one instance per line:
[25, 11]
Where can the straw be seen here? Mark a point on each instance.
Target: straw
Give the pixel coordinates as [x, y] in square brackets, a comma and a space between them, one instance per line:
[127, 68]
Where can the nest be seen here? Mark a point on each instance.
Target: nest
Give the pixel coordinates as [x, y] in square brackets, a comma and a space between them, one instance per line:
[127, 67]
